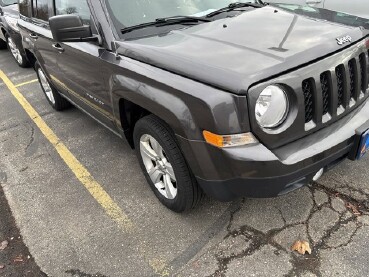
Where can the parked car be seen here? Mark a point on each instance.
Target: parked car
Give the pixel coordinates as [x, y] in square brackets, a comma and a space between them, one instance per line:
[355, 7]
[230, 99]
[9, 32]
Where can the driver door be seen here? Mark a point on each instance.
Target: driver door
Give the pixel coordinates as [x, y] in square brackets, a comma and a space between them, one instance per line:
[82, 70]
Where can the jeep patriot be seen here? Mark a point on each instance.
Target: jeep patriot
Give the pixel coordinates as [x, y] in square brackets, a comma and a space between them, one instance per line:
[217, 97]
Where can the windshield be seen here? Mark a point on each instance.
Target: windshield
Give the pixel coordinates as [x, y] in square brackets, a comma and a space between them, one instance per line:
[8, 2]
[127, 13]
[328, 15]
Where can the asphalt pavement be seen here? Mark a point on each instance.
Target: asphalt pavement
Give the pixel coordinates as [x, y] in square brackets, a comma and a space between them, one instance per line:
[15, 259]
[84, 208]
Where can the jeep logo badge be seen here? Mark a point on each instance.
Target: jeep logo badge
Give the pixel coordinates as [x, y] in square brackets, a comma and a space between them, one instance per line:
[343, 40]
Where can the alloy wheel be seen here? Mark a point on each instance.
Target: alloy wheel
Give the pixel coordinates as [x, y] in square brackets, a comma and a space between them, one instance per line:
[15, 51]
[158, 166]
[46, 86]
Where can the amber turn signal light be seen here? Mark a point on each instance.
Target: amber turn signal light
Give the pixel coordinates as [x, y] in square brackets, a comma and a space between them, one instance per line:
[222, 141]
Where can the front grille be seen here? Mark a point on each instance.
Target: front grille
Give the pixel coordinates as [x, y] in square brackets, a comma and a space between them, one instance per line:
[340, 74]
[326, 90]
[363, 72]
[353, 77]
[309, 101]
[340, 88]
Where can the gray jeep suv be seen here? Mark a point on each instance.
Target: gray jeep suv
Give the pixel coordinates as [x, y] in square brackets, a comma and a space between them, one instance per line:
[227, 98]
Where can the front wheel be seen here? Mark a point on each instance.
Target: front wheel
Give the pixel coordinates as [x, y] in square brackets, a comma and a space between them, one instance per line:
[52, 95]
[21, 59]
[164, 166]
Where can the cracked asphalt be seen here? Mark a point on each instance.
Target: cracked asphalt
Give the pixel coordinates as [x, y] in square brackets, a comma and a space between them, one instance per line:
[69, 234]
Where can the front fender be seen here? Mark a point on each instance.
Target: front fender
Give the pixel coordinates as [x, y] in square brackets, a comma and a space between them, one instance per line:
[189, 107]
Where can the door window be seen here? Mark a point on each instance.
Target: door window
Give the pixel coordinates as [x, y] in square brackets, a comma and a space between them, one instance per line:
[24, 7]
[74, 7]
[41, 9]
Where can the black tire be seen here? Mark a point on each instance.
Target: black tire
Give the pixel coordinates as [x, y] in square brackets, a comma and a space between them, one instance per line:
[24, 63]
[60, 103]
[3, 44]
[189, 193]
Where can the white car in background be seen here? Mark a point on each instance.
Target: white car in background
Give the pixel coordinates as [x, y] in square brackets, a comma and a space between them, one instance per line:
[358, 8]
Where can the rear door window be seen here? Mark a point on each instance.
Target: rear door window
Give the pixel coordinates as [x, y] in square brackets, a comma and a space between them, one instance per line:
[41, 9]
[74, 7]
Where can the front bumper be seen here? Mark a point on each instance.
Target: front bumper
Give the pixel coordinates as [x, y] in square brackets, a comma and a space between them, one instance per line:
[256, 171]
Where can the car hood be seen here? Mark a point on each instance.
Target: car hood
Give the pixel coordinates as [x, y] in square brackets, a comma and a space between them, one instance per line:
[235, 53]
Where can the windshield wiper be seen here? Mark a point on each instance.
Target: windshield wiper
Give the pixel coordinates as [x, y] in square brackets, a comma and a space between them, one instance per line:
[182, 18]
[234, 6]
[166, 21]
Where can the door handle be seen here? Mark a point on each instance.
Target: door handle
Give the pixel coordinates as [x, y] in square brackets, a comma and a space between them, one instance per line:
[58, 47]
[33, 36]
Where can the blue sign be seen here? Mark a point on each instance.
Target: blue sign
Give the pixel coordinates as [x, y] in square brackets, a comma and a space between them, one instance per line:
[364, 145]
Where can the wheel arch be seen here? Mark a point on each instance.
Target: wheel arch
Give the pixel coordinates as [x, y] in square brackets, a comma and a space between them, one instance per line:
[129, 114]
[31, 57]
[3, 31]
[176, 115]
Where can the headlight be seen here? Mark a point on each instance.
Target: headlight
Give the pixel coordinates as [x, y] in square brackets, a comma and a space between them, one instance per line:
[13, 23]
[272, 107]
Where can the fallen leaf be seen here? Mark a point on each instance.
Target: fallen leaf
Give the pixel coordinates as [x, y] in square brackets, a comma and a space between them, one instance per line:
[353, 209]
[196, 264]
[4, 245]
[18, 259]
[301, 247]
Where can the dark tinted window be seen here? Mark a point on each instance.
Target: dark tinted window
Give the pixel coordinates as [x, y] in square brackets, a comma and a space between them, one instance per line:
[41, 9]
[74, 7]
[24, 7]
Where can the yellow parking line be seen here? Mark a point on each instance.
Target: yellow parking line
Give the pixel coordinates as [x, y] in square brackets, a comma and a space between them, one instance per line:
[26, 83]
[93, 187]
[158, 264]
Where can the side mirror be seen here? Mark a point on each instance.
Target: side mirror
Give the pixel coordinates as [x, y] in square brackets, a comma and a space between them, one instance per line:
[70, 28]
